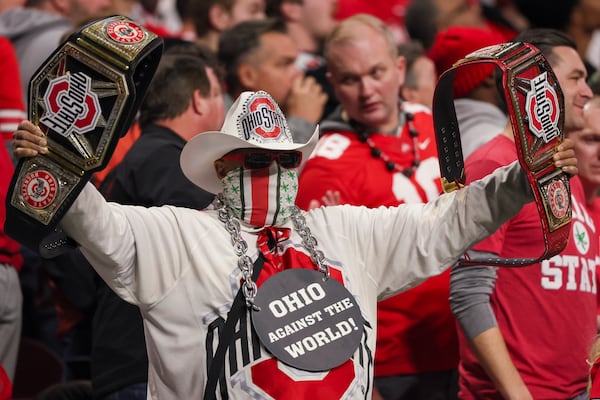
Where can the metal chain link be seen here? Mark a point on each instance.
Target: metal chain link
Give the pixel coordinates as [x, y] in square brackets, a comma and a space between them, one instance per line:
[309, 241]
[232, 225]
[240, 247]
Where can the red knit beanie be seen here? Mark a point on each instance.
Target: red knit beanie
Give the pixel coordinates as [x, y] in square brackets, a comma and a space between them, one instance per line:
[453, 45]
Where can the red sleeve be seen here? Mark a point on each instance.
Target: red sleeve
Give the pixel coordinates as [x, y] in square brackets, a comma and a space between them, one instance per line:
[318, 176]
[12, 108]
[9, 249]
[334, 163]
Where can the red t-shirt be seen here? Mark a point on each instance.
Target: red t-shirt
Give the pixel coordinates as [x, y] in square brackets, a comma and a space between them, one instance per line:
[12, 109]
[595, 207]
[9, 249]
[546, 312]
[416, 330]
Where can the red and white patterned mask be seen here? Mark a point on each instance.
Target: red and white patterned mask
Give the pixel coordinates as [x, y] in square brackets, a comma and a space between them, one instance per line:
[261, 197]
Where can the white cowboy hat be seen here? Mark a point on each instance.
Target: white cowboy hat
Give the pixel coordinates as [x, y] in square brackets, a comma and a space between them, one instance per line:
[253, 121]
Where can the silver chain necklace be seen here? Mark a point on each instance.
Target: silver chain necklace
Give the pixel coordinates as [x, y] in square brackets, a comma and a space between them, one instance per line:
[240, 247]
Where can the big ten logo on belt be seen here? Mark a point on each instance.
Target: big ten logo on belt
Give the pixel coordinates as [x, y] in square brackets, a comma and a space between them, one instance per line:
[543, 109]
[263, 119]
[71, 105]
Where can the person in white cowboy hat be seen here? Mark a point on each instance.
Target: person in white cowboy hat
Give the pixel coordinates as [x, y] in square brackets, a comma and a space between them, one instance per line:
[305, 325]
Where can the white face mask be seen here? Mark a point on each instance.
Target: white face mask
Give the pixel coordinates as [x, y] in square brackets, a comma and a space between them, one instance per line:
[261, 197]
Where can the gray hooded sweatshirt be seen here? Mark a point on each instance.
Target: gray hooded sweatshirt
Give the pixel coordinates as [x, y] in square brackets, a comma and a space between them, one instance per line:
[35, 34]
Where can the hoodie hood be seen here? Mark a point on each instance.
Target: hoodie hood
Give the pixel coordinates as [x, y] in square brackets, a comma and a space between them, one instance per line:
[338, 121]
[18, 22]
[34, 35]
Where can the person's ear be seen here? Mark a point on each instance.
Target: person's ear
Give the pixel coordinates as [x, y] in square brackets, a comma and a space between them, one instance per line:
[407, 94]
[220, 168]
[199, 102]
[248, 77]
[219, 17]
[401, 66]
[61, 5]
[291, 10]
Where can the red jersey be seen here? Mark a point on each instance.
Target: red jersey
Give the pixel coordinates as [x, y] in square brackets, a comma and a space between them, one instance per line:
[416, 329]
[12, 109]
[547, 311]
[9, 249]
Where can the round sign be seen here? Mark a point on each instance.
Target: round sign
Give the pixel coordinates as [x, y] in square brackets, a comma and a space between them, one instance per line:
[306, 321]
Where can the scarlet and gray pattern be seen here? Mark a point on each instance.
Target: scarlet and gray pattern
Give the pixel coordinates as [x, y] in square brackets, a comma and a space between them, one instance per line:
[261, 197]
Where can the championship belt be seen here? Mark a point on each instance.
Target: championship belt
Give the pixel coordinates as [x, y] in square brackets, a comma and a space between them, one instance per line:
[536, 110]
[84, 98]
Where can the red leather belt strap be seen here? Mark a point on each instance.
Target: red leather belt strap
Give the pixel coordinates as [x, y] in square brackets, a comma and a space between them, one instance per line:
[536, 111]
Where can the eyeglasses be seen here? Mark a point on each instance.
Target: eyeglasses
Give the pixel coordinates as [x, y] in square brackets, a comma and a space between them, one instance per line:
[262, 159]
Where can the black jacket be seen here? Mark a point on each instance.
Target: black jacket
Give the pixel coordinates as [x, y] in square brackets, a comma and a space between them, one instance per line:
[149, 175]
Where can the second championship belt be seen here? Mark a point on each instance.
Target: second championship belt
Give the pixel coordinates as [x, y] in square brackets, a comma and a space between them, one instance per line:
[84, 98]
[536, 111]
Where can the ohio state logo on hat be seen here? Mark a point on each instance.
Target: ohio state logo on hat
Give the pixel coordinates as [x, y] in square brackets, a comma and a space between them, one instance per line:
[262, 120]
[125, 32]
[543, 109]
[70, 105]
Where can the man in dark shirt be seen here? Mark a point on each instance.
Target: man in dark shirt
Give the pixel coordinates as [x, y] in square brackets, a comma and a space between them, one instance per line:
[189, 103]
